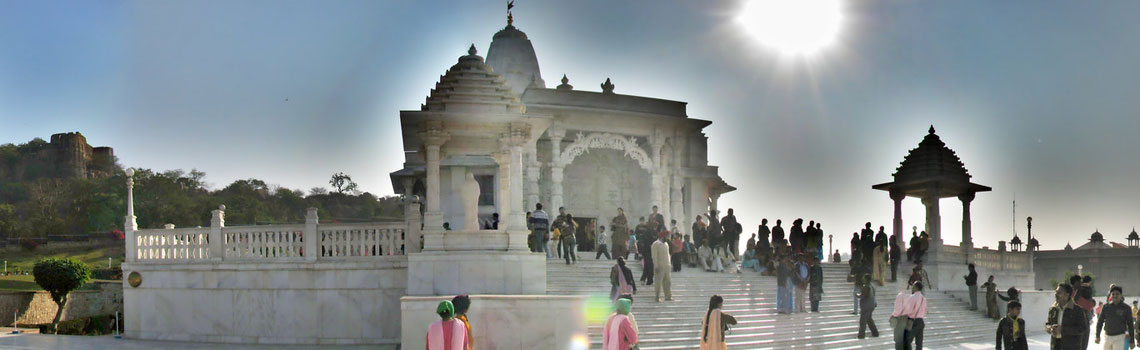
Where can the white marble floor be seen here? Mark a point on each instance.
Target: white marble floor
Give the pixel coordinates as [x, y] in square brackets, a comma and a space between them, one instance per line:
[10, 341]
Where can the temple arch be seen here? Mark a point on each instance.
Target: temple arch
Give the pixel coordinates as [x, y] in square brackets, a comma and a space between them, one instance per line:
[583, 143]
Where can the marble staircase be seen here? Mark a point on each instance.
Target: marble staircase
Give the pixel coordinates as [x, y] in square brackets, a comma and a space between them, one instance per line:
[751, 298]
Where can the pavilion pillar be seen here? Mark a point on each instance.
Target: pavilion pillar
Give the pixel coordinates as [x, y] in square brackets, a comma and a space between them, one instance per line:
[967, 239]
[556, 134]
[434, 138]
[503, 196]
[656, 142]
[713, 198]
[933, 226]
[897, 230]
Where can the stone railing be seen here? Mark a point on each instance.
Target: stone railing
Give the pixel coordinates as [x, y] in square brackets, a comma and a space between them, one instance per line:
[173, 244]
[1001, 260]
[275, 243]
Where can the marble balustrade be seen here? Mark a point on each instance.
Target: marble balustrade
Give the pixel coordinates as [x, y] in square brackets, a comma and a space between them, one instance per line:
[269, 243]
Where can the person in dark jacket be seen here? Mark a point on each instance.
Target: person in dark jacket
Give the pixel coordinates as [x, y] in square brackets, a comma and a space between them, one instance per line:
[896, 257]
[815, 281]
[867, 308]
[972, 284]
[1066, 323]
[1116, 320]
[777, 234]
[1011, 329]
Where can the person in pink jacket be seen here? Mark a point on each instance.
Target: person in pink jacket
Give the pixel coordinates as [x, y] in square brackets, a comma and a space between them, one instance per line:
[618, 332]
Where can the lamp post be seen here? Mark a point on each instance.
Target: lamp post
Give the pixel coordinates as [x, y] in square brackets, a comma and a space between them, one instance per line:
[1080, 269]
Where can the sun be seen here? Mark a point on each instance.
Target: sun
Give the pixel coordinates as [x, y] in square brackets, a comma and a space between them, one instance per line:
[793, 27]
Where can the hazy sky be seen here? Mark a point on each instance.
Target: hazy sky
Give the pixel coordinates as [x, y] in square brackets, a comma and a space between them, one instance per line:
[1038, 98]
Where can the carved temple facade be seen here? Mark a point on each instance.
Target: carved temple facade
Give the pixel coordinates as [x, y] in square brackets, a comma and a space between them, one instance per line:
[591, 152]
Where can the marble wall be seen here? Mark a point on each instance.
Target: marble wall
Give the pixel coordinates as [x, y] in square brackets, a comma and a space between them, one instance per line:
[38, 308]
[501, 322]
[951, 277]
[476, 272]
[351, 301]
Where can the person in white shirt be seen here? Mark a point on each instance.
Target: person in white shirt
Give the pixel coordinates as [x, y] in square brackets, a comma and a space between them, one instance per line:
[600, 244]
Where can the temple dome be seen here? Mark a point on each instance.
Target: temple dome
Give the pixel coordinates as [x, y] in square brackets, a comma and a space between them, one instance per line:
[1096, 236]
[512, 56]
[1015, 240]
[1133, 235]
[932, 159]
[472, 86]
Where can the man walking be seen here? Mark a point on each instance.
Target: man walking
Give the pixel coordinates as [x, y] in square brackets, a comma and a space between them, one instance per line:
[816, 283]
[601, 244]
[867, 308]
[972, 284]
[540, 230]
[899, 319]
[1065, 321]
[916, 311]
[1011, 329]
[662, 267]
[1116, 320]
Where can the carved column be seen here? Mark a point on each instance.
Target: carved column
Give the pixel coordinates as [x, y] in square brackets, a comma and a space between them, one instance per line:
[433, 137]
[556, 133]
[967, 239]
[678, 212]
[656, 142]
[933, 224]
[678, 196]
[520, 132]
[503, 197]
[897, 197]
[531, 177]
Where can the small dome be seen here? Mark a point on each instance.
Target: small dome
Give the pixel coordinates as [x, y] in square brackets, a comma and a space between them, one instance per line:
[1133, 235]
[1096, 236]
[512, 56]
[472, 86]
[1015, 240]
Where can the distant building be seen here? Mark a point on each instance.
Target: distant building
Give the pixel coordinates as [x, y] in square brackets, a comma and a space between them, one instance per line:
[67, 155]
[1108, 263]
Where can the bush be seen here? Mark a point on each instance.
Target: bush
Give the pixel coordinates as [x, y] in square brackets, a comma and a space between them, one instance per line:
[94, 325]
[115, 235]
[60, 276]
[28, 244]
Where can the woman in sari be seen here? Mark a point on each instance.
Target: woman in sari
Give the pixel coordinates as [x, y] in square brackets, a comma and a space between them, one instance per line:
[618, 333]
[714, 325]
[621, 280]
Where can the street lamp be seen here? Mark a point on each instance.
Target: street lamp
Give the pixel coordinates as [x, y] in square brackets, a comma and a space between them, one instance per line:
[1080, 268]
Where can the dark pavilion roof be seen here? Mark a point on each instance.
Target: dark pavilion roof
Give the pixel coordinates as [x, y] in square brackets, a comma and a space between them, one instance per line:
[932, 164]
[1015, 240]
[1096, 241]
[1096, 236]
[1133, 235]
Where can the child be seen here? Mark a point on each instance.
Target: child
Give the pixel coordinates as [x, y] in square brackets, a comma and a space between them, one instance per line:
[1011, 329]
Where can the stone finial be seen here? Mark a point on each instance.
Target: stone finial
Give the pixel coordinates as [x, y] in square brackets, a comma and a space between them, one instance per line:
[471, 51]
[565, 84]
[607, 87]
[931, 129]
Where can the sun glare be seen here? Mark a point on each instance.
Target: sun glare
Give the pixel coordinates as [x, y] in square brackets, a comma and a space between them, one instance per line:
[793, 27]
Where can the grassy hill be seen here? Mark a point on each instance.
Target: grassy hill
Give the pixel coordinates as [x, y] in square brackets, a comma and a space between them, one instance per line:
[94, 256]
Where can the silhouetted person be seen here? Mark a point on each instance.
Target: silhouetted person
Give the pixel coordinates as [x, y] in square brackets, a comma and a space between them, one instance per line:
[972, 286]
[867, 306]
[796, 236]
[731, 236]
[777, 234]
[896, 255]
[856, 248]
[913, 247]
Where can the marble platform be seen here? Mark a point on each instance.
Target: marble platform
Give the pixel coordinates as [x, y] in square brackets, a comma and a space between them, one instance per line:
[505, 321]
[354, 301]
[476, 272]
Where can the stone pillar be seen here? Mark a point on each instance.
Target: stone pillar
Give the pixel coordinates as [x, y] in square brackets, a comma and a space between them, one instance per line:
[967, 239]
[1001, 254]
[531, 177]
[217, 222]
[678, 212]
[713, 198]
[933, 226]
[897, 197]
[502, 197]
[129, 223]
[516, 217]
[556, 132]
[414, 233]
[312, 235]
[656, 142]
[698, 199]
[434, 138]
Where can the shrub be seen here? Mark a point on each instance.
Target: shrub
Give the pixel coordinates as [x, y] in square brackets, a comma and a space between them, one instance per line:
[60, 276]
[28, 244]
[115, 235]
[103, 273]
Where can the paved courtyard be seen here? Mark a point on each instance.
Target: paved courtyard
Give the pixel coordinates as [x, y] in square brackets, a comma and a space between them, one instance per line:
[38, 341]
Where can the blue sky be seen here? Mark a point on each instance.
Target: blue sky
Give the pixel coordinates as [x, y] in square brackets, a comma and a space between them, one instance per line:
[1038, 98]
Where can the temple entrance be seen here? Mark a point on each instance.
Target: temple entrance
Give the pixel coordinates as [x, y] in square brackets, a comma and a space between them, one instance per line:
[598, 182]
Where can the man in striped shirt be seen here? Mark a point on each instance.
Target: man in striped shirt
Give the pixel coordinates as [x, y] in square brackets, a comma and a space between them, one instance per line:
[915, 309]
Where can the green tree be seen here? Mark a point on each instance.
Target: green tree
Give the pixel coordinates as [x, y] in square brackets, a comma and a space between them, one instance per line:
[343, 183]
[60, 276]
